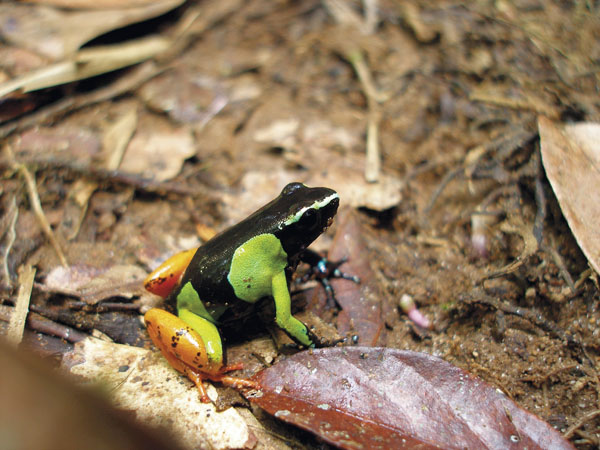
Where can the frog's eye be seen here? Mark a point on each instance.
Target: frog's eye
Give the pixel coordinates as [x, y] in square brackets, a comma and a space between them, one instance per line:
[310, 220]
[291, 188]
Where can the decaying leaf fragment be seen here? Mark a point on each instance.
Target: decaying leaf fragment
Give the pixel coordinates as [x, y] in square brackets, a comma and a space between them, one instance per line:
[571, 158]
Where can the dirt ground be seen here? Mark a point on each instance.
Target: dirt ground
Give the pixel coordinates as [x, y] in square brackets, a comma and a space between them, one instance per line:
[435, 103]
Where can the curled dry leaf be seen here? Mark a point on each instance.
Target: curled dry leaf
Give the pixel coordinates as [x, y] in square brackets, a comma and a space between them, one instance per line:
[364, 397]
[571, 158]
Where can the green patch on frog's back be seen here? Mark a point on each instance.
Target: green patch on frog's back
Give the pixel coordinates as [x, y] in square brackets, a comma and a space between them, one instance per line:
[253, 266]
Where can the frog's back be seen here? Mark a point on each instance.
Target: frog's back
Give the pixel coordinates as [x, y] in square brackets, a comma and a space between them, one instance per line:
[211, 263]
[210, 266]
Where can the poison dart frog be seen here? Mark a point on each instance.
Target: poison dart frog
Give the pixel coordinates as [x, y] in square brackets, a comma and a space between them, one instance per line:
[249, 261]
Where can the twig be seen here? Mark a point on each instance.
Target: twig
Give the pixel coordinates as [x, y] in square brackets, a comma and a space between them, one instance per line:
[44, 325]
[103, 307]
[586, 418]
[34, 199]
[135, 78]
[451, 175]
[345, 15]
[16, 325]
[540, 200]
[547, 376]
[562, 268]
[10, 239]
[532, 316]
[373, 158]
[115, 176]
[41, 324]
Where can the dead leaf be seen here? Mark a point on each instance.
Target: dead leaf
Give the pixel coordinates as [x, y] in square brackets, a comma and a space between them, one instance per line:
[116, 137]
[571, 158]
[360, 303]
[61, 142]
[186, 99]
[355, 191]
[157, 151]
[363, 397]
[87, 63]
[93, 284]
[142, 381]
[58, 33]
[93, 4]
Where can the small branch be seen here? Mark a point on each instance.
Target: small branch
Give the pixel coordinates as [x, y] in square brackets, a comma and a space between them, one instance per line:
[116, 177]
[16, 325]
[11, 236]
[451, 175]
[41, 324]
[131, 81]
[34, 199]
[534, 317]
[582, 421]
[373, 158]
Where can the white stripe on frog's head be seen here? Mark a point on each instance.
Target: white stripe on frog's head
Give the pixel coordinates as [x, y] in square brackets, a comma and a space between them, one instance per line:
[316, 205]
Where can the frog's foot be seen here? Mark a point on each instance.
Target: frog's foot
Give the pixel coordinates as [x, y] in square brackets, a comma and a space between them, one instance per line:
[186, 351]
[323, 270]
[197, 377]
[237, 383]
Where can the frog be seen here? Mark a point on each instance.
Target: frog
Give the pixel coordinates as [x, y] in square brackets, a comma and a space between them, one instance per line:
[230, 273]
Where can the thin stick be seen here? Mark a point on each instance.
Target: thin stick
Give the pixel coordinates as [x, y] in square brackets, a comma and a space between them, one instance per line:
[115, 177]
[586, 418]
[11, 236]
[373, 158]
[34, 199]
[16, 325]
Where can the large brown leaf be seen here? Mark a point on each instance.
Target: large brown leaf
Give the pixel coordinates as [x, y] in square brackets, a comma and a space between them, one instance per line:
[363, 397]
[571, 158]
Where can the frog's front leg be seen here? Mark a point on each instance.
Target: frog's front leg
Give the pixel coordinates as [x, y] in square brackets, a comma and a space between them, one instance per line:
[192, 345]
[283, 312]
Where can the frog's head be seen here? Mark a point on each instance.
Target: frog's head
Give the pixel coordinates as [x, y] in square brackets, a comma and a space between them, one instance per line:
[308, 213]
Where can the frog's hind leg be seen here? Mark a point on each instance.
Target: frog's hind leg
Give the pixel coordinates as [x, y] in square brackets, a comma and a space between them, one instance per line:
[192, 345]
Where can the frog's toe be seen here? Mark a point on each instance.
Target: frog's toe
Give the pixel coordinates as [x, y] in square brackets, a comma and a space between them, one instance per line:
[231, 367]
[197, 379]
[239, 383]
